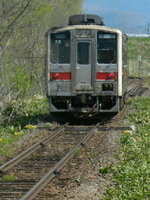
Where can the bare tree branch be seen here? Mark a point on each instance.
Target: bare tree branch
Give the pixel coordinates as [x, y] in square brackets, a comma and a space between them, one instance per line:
[15, 19]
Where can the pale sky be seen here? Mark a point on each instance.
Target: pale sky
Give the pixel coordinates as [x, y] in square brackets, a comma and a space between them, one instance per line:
[133, 14]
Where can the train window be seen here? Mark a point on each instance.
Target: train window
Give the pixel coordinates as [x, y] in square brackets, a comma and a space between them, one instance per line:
[106, 35]
[106, 48]
[60, 47]
[83, 53]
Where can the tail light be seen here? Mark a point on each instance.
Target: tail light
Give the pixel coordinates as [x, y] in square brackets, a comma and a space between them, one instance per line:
[54, 76]
[110, 76]
[60, 76]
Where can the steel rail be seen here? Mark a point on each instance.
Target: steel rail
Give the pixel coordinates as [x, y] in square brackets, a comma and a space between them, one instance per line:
[8, 165]
[113, 128]
[55, 170]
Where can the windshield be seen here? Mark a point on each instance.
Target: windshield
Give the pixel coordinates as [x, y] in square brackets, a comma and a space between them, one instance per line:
[106, 47]
[60, 47]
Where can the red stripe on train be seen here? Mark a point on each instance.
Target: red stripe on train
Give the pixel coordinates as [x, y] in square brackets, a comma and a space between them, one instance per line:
[60, 76]
[106, 75]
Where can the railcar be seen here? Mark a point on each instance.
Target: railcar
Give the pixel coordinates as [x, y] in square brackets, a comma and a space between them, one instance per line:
[86, 67]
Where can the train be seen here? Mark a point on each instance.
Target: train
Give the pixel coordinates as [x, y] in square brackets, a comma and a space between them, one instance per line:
[86, 68]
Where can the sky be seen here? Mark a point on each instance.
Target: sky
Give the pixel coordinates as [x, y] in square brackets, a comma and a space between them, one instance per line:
[131, 16]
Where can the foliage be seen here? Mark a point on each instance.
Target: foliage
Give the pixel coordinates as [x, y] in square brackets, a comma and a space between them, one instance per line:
[8, 178]
[26, 110]
[131, 178]
[19, 117]
[139, 56]
[23, 26]
[106, 169]
[22, 83]
[138, 46]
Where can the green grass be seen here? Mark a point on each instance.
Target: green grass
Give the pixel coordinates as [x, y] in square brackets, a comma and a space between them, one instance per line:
[17, 115]
[132, 178]
[8, 178]
[139, 47]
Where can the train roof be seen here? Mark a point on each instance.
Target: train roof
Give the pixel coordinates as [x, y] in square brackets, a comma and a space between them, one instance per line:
[86, 19]
[91, 26]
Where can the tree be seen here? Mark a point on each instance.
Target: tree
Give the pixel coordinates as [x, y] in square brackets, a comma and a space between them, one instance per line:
[22, 29]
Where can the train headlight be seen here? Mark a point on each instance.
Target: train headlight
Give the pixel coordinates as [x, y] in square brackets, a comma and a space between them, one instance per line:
[107, 87]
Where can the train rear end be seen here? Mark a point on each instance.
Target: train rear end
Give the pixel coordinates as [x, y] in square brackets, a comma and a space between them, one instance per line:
[86, 68]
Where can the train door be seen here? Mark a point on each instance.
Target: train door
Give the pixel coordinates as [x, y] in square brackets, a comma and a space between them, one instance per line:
[82, 66]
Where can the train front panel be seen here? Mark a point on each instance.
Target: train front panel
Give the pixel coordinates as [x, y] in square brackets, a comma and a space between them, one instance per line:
[85, 69]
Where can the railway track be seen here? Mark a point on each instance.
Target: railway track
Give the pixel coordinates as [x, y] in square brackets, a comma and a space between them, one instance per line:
[59, 184]
[136, 87]
[36, 166]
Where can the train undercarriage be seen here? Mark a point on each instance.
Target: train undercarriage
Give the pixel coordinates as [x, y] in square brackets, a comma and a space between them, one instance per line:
[85, 105]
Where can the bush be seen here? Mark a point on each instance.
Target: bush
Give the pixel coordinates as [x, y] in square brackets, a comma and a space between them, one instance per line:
[131, 178]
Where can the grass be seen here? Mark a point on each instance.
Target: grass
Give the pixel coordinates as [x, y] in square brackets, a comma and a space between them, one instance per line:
[132, 177]
[20, 117]
[8, 178]
[139, 47]
[77, 151]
